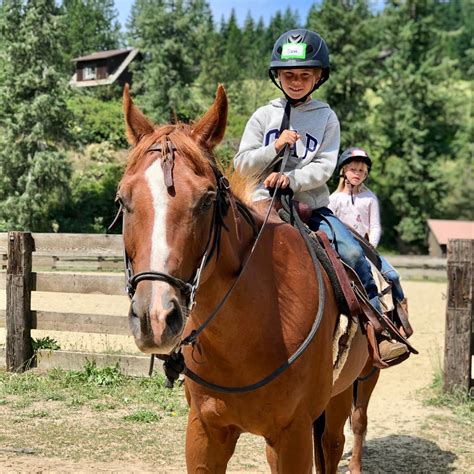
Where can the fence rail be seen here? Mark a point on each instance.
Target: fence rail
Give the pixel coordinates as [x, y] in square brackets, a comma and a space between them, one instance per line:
[37, 252]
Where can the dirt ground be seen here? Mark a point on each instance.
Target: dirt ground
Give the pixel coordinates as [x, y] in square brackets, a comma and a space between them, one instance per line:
[404, 435]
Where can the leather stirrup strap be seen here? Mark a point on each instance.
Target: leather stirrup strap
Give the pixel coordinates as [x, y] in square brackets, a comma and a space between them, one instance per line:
[349, 295]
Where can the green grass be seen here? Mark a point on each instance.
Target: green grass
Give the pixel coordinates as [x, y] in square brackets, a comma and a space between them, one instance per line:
[457, 400]
[142, 416]
[99, 389]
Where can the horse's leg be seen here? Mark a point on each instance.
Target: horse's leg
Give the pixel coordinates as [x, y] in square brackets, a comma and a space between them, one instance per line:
[318, 432]
[208, 450]
[362, 392]
[292, 451]
[337, 413]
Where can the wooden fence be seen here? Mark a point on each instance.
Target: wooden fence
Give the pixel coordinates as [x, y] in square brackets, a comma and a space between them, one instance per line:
[24, 252]
[58, 263]
[459, 333]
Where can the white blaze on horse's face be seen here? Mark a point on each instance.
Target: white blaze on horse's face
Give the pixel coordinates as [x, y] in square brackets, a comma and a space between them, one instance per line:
[156, 304]
[159, 192]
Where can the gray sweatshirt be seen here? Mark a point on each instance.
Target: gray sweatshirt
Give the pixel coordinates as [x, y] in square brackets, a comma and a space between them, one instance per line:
[313, 158]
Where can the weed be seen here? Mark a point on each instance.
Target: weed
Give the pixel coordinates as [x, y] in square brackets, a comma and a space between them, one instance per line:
[105, 376]
[142, 416]
[45, 343]
[38, 414]
[457, 400]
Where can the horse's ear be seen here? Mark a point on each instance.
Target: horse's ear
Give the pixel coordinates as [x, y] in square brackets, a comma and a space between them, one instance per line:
[136, 124]
[210, 129]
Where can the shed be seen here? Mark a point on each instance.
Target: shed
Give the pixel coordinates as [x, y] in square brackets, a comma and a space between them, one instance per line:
[440, 231]
[104, 67]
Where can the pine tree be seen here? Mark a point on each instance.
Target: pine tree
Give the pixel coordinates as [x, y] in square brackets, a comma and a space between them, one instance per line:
[33, 172]
[172, 35]
[347, 27]
[92, 26]
[413, 127]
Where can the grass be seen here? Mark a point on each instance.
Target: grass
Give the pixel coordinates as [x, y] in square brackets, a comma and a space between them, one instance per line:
[457, 400]
[95, 413]
[96, 388]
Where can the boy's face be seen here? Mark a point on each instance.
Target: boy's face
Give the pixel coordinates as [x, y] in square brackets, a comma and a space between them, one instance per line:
[298, 82]
[356, 172]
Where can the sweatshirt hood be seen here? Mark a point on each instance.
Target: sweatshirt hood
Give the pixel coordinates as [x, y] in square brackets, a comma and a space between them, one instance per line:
[313, 104]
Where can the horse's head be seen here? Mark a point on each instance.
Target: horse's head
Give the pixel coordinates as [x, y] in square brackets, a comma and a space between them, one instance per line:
[168, 195]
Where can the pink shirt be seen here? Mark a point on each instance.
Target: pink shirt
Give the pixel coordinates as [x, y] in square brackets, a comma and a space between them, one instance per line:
[363, 216]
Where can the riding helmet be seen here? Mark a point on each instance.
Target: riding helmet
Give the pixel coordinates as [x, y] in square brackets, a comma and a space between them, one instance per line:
[300, 48]
[353, 154]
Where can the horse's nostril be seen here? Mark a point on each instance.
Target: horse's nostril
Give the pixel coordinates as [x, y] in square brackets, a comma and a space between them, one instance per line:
[174, 319]
[132, 311]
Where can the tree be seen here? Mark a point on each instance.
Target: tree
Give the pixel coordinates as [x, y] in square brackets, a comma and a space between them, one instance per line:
[348, 29]
[34, 172]
[172, 34]
[413, 127]
[92, 26]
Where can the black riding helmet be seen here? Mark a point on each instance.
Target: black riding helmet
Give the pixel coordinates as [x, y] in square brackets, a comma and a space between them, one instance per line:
[299, 48]
[353, 154]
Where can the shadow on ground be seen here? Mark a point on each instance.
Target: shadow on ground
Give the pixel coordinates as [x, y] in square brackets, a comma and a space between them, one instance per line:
[403, 454]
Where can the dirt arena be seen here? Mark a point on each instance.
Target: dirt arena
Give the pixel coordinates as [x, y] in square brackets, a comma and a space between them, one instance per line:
[404, 434]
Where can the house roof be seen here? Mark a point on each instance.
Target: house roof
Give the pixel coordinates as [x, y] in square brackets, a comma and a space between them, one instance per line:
[444, 230]
[131, 54]
[103, 54]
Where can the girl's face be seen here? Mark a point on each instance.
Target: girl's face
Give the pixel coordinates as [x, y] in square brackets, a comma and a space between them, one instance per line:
[298, 82]
[356, 172]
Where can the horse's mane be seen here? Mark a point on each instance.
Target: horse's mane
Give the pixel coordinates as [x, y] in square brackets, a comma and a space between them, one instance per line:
[180, 134]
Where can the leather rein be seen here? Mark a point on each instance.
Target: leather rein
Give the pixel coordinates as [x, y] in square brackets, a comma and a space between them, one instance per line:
[224, 200]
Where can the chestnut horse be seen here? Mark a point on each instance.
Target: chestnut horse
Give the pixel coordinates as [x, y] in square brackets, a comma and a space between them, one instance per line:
[187, 240]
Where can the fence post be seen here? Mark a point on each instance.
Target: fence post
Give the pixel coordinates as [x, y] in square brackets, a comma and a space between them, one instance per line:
[459, 318]
[18, 312]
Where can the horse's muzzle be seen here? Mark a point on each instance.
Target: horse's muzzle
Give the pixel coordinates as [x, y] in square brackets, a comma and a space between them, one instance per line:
[157, 330]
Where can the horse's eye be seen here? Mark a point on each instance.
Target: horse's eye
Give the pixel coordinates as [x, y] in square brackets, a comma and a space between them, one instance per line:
[207, 201]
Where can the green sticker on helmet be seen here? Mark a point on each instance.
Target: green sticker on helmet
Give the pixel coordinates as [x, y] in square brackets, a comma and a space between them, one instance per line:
[293, 51]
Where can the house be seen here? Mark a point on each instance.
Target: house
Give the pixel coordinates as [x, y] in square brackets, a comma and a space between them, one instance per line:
[440, 231]
[104, 67]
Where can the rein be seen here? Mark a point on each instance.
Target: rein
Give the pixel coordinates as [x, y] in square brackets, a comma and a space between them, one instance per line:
[174, 363]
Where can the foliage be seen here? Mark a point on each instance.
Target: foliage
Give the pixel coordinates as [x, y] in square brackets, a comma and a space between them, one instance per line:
[34, 171]
[94, 387]
[95, 120]
[173, 35]
[102, 376]
[457, 400]
[411, 126]
[90, 206]
[349, 30]
[142, 416]
[401, 84]
[46, 342]
[92, 26]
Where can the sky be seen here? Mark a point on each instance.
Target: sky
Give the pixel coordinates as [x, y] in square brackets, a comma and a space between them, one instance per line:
[257, 8]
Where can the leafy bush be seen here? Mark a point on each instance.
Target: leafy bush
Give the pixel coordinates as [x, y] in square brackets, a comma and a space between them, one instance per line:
[91, 208]
[96, 120]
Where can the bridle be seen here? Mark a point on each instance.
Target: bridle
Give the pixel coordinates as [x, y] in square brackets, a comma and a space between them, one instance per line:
[224, 200]
[220, 208]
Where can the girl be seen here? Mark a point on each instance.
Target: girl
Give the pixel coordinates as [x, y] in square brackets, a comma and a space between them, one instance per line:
[358, 208]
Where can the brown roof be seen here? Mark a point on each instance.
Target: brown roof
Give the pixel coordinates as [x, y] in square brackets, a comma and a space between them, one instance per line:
[444, 230]
[103, 54]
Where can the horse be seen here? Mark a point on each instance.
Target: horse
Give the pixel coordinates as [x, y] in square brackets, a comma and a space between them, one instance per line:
[196, 273]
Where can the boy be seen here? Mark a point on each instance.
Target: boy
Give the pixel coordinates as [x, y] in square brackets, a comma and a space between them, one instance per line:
[310, 129]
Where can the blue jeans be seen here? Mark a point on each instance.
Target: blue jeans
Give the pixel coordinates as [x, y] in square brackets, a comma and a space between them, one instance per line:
[348, 248]
[393, 277]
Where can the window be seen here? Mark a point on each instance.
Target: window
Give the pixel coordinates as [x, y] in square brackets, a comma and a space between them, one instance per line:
[89, 73]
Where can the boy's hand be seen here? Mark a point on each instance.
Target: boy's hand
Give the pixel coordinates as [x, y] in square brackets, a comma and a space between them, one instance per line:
[287, 137]
[274, 179]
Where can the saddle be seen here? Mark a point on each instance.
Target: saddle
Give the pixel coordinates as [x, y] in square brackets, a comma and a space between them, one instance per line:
[350, 294]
